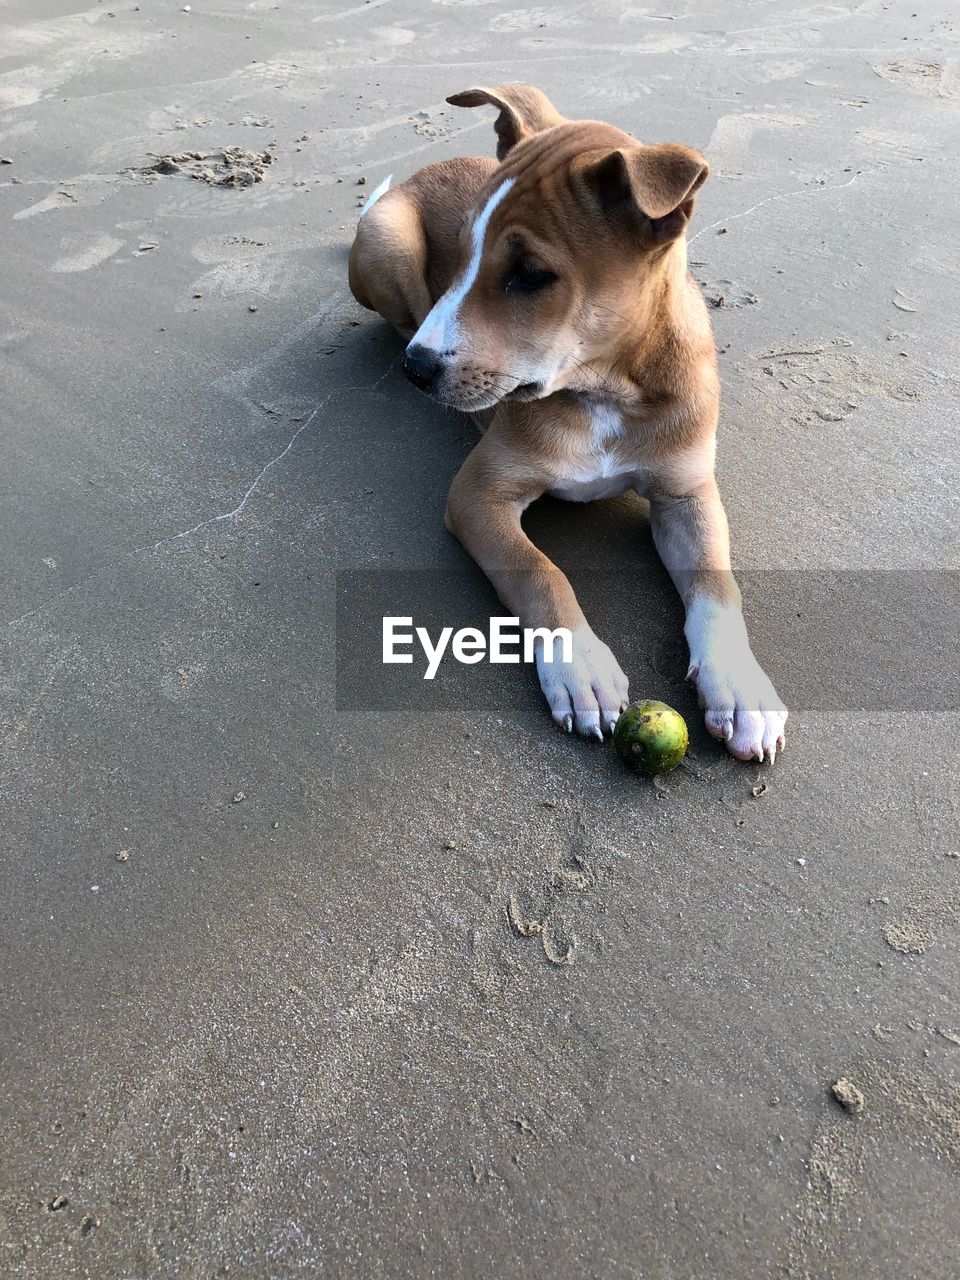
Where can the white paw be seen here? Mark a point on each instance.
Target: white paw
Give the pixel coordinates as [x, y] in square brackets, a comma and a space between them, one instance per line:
[741, 706]
[587, 693]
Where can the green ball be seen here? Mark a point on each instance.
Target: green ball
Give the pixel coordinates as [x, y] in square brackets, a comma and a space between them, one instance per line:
[651, 737]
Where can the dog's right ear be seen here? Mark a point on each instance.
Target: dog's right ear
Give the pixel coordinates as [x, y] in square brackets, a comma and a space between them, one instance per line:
[524, 111]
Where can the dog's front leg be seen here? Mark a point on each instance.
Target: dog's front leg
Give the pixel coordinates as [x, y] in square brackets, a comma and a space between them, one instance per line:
[484, 507]
[740, 704]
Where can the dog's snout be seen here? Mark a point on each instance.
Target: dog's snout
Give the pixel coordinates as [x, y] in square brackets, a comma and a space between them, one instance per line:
[422, 366]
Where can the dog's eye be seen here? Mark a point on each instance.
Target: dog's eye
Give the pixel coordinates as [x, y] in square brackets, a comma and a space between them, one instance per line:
[525, 277]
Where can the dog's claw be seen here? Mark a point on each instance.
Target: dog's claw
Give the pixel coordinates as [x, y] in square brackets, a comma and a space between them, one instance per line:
[612, 726]
[741, 705]
[584, 692]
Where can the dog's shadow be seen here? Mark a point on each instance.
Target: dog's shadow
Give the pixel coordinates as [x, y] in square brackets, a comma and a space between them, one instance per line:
[606, 550]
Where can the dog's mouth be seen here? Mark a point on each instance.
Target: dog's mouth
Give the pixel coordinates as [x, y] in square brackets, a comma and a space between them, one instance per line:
[487, 397]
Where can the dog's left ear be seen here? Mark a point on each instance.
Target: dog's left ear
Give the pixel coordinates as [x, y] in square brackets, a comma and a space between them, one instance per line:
[524, 111]
[658, 183]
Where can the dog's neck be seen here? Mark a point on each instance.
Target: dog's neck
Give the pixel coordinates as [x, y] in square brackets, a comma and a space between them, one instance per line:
[637, 366]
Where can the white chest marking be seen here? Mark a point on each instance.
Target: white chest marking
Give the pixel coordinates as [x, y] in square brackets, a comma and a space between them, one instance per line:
[591, 489]
[439, 329]
[600, 473]
[607, 424]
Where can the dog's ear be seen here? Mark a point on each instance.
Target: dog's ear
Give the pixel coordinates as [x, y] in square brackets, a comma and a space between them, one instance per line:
[652, 187]
[524, 110]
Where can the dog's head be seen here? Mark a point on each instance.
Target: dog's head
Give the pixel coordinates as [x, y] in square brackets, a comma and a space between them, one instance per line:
[554, 256]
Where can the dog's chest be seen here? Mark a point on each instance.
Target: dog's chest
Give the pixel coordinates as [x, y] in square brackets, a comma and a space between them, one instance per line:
[601, 469]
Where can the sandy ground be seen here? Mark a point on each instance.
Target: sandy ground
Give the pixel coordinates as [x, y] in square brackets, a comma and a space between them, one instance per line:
[314, 1031]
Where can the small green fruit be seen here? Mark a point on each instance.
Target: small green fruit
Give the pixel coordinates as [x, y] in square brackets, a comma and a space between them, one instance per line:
[651, 737]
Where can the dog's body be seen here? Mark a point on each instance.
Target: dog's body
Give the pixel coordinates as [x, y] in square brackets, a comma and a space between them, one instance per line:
[548, 294]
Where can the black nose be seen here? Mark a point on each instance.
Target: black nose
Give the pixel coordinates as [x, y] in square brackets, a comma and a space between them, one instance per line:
[422, 366]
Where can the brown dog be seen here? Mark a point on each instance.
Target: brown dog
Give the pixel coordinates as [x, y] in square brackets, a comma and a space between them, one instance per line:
[548, 294]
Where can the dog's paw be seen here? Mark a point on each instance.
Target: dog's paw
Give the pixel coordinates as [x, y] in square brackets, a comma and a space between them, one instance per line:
[589, 692]
[741, 707]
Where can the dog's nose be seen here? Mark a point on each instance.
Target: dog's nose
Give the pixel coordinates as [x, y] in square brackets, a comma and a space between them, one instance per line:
[422, 366]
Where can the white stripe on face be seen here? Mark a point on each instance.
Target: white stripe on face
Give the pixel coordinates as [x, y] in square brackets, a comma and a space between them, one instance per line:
[439, 330]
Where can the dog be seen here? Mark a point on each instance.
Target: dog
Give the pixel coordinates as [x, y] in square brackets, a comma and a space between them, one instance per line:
[547, 293]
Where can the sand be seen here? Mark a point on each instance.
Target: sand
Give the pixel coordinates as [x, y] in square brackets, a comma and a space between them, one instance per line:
[448, 993]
